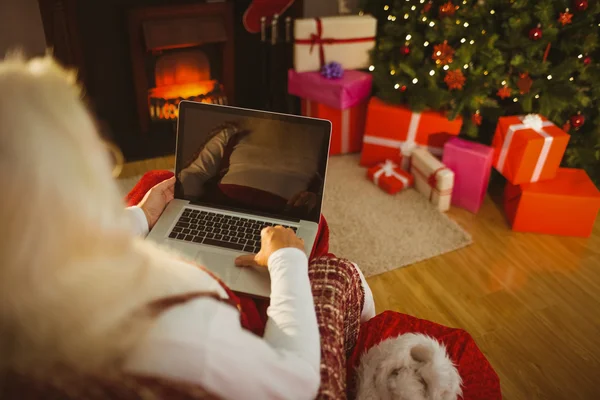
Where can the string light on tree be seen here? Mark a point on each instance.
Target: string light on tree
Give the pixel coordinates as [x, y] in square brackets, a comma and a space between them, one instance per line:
[371, 68]
[432, 24]
[466, 66]
[466, 24]
[446, 67]
[432, 72]
[406, 16]
[515, 100]
[571, 79]
[492, 12]
[386, 7]
[424, 19]
[537, 96]
[414, 81]
[472, 41]
[397, 86]
[549, 77]
[413, 8]
[463, 40]
[393, 72]
[426, 44]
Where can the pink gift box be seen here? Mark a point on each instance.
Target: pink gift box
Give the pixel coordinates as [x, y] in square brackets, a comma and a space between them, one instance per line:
[472, 166]
[346, 92]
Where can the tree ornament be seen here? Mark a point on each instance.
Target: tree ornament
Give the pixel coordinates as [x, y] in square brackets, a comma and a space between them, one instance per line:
[546, 52]
[524, 83]
[536, 33]
[587, 60]
[476, 118]
[447, 9]
[455, 79]
[567, 126]
[427, 7]
[403, 88]
[443, 53]
[580, 5]
[405, 50]
[577, 120]
[565, 18]
[504, 92]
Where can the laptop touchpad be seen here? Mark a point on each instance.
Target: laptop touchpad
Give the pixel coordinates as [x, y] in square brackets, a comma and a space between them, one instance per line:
[221, 264]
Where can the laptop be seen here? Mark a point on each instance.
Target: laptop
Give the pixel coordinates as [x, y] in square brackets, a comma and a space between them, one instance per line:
[239, 171]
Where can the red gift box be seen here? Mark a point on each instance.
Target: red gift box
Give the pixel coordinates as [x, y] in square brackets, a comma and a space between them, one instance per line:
[393, 130]
[528, 148]
[566, 205]
[347, 126]
[390, 177]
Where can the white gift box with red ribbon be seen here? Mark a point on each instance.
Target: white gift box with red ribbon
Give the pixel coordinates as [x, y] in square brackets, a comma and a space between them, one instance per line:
[432, 178]
[343, 39]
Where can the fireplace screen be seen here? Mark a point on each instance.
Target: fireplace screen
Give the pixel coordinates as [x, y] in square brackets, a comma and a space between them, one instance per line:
[182, 75]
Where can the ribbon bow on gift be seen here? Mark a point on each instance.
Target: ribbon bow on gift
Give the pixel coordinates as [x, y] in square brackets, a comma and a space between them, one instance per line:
[387, 170]
[530, 121]
[318, 39]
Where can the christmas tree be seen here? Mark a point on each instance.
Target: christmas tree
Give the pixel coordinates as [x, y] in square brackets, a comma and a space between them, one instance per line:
[482, 59]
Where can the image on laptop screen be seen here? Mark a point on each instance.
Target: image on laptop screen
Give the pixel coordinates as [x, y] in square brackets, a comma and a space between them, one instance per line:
[250, 161]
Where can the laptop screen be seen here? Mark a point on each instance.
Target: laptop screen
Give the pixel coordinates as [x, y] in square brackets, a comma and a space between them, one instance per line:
[251, 161]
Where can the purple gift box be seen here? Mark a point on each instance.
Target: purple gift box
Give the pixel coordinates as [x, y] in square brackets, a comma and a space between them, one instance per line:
[472, 166]
[346, 92]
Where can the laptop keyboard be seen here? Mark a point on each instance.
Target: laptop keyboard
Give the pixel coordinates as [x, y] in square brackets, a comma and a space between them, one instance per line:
[236, 233]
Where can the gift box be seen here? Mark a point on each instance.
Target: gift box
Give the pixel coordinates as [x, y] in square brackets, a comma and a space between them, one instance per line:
[566, 205]
[390, 177]
[351, 89]
[393, 130]
[347, 126]
[528, 148]
[432, 178]
[344, 39]
[472, 165]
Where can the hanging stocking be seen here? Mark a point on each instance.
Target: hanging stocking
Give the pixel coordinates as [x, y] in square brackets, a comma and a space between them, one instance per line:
[263, 8]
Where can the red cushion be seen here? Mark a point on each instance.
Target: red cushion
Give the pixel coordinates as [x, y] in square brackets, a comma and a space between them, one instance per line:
[480, 381]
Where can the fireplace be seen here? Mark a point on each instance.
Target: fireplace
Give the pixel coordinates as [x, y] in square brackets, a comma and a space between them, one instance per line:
[180, 52]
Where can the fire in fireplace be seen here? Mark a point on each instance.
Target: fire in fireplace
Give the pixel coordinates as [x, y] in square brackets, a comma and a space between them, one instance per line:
[183, 75]
[180, 52]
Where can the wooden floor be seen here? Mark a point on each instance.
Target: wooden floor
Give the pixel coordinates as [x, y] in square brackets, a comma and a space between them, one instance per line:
[532, 302]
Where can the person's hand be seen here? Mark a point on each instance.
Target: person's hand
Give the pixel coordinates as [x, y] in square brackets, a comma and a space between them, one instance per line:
[272, 239]
[302, 199]
[156, 200]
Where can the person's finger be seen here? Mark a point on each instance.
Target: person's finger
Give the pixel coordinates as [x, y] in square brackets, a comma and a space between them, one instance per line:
[165, 185]
[248, 260]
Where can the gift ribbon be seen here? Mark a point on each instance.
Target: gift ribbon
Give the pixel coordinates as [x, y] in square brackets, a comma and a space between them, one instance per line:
[319, 40]
[534, 122]
[432, 181]
[345, 126]
[399, 144]
[387, 170]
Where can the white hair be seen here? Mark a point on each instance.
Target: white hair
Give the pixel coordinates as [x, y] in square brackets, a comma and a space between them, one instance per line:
[72, 275]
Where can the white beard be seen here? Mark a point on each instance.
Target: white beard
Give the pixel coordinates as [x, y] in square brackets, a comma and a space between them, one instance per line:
[409, 367]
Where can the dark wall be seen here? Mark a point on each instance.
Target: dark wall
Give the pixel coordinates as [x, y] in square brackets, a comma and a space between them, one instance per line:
[21, 27]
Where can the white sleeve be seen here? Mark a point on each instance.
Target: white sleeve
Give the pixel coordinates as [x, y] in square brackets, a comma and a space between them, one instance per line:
[138, 220]
[202, 342]
[206, 165]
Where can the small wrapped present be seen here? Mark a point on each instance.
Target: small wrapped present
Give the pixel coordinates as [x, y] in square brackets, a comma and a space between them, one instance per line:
[472, 165]
[392, 131]
[344, 39]
[528, 148]
[390, 177]
[352, 88]
[566, 205]
[342, 101]
[432, 178]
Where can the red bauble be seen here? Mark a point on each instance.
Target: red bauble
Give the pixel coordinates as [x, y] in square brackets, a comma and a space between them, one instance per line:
[403, 88]
[587, 60]
[405, 50]
[577, 121]
[580, 5]
[535, 33]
